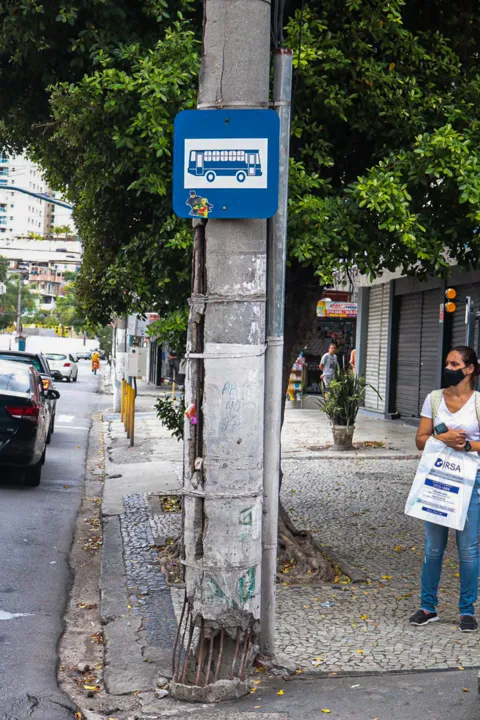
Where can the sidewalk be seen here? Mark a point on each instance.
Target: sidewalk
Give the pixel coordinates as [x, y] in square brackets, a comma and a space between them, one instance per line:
[352, 502]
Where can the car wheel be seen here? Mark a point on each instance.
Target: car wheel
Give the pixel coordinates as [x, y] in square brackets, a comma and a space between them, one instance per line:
[75, 378]
[241, 176]
[210, 176]
[34, 474]
[69, 379]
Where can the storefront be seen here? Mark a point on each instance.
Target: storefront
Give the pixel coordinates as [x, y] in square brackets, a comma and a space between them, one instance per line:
[336, 323]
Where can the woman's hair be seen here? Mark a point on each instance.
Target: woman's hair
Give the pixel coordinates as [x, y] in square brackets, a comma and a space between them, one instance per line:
[469, 357]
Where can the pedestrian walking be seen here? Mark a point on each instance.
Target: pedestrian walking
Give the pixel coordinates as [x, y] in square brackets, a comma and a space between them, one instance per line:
[453, 416]
[329, 365]
[173, 365]
[353, 360]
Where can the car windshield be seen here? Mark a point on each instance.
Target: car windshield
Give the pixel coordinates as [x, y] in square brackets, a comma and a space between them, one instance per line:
[54, 357]
[14, 381]
[26, 359]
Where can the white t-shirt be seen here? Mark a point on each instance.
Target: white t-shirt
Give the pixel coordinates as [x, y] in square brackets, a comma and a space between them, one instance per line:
[463, 419]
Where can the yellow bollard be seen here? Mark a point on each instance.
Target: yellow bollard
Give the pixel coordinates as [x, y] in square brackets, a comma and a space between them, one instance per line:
[127, 414]
[122, 402]
[132, 426]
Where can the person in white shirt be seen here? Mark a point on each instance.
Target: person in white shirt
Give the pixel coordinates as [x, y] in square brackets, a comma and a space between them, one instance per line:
[458, 412]
[328, 365]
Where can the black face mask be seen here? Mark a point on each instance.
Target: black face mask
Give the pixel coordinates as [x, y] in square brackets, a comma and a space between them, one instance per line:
[453, 377]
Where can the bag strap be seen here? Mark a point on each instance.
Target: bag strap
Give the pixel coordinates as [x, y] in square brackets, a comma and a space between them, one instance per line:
[436, 400]
[477, 406]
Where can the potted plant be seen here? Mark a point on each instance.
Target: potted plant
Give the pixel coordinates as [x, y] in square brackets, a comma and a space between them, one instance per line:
[341, 403]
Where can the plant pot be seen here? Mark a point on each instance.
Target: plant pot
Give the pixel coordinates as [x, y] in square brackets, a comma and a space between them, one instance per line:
[343, 437]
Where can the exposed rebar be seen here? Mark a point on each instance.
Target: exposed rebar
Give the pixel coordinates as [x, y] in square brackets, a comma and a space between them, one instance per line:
[187, 654]
[174, 655]
[202, 649]
[235, 657]
[220, 654]
[210, 656]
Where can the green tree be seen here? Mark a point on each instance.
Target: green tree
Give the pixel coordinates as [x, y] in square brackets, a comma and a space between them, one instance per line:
[384, 152]
[385, 139]
[8, 301]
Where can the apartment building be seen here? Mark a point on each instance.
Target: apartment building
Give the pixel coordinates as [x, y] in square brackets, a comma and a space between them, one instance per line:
[22, 215]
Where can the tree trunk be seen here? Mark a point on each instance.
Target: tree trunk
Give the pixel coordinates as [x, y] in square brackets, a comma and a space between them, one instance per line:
[299, 560]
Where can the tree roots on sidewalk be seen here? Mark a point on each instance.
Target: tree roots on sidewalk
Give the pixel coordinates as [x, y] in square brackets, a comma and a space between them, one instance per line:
[299, 562]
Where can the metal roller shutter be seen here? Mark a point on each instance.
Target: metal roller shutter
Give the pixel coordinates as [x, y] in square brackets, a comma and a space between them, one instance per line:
[376, 361]
[409, 345]
[418, 351]
[430, 345]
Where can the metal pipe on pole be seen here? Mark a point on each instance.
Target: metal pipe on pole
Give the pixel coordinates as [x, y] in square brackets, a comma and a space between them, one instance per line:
[20, 339]
[277, 257]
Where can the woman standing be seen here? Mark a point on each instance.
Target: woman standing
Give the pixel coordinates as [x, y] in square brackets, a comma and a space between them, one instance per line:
[458, 411]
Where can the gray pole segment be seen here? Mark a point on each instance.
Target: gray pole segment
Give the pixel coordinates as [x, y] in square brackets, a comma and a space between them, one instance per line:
[277, 257]
[223, 469]
[19, 304]
[119, 365]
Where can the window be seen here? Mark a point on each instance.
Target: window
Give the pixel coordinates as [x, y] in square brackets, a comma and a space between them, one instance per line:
[25, 359]
[3, 171]
[15, 381]
[216, 155]
[3, 220]
[3, 182]
[232, 155]
[193, 156]
[11, 217]
[224, 155]
[241, 155]
[208, 155]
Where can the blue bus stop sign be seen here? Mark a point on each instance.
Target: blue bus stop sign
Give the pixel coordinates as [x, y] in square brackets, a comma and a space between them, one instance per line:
[225, 164]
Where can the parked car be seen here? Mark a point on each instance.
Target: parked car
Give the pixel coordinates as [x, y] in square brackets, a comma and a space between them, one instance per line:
[40, 363]
[24, 419]
[63, 367]
[84, 355]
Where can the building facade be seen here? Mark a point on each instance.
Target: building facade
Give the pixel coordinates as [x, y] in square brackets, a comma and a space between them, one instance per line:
[404, 335]
[22, 215]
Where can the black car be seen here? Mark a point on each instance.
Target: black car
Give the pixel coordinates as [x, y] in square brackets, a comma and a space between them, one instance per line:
[24, 419]
[40, 363]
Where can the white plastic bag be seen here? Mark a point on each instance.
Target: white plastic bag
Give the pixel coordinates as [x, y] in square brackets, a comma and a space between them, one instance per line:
[443, 485]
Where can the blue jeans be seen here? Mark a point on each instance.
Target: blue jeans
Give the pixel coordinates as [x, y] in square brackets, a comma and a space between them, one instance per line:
[436, 537]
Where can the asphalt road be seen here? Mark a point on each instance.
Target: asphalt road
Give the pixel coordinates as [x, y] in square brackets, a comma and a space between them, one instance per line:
[36, 534]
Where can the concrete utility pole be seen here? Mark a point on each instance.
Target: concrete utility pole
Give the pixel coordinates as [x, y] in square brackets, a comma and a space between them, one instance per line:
[223, 470]
[119, 362]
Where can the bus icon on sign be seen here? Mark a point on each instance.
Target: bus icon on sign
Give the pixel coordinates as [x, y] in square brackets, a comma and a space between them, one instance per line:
[211, 164]
[225, 163]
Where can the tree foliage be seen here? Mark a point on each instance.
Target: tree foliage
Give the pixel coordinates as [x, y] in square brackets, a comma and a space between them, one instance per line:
[9, 300]
[384, 161]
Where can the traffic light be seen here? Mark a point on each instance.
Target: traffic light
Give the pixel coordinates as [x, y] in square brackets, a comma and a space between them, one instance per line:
[450, 294]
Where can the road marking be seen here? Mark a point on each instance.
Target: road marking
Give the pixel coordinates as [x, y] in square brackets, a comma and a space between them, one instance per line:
[66, 418]
[4, 615]
[71, 427]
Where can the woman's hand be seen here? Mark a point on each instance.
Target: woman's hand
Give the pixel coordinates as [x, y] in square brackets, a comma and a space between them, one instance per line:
[455, 439]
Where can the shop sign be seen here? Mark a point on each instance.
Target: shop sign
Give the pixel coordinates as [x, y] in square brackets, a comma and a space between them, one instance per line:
[336, 309]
